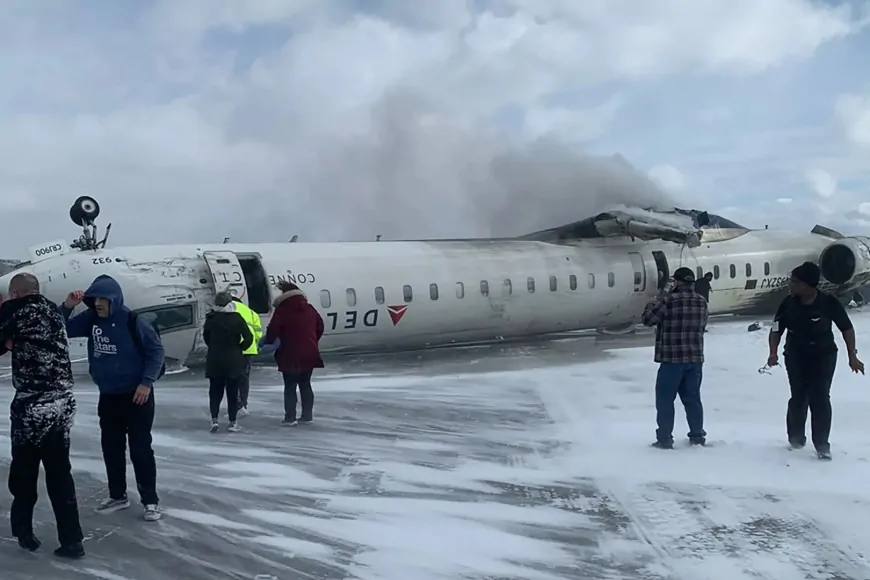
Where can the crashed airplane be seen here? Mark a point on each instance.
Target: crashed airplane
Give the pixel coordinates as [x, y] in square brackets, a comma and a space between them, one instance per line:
[596, 273]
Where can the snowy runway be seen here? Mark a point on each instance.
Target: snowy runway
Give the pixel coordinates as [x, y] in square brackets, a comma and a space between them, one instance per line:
[542, 472]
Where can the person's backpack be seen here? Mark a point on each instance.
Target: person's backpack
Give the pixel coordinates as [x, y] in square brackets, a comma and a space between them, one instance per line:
[132, 321]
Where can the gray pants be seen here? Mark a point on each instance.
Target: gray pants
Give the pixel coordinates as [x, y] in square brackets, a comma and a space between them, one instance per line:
[245, 384]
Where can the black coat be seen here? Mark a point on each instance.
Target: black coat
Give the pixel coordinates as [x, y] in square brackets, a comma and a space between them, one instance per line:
[227, 336]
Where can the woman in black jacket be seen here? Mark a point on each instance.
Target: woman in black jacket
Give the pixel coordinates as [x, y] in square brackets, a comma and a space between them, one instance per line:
[227, 336]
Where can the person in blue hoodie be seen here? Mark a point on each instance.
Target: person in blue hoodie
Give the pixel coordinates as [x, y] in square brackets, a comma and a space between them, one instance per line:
[124, 367]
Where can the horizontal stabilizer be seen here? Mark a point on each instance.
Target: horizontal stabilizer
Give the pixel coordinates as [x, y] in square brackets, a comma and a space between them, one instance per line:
[827, 232]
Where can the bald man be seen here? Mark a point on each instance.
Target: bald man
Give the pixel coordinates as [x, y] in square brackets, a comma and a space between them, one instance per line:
[41, 414]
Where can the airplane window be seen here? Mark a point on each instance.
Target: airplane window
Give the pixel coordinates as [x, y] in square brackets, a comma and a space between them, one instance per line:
[638, 278]
[507, 288]
[572, 281]
[700, 273]
[433, 291]
[350, 294]
[767, 268]
[716, 272]
[460, 290]
[325, 299]
[166, 318]
[611, 279]
[591, 280]
[484, 287]
[407, 293]
[732, 269]
[379, 295]
[530, 284]
[553, 283]
[748, 269]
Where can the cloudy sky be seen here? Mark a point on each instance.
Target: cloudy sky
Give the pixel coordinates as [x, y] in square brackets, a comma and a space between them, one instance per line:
[192, 120]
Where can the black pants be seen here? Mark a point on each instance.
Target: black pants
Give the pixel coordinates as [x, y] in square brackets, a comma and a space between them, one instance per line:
[303, 380]
[810, 376]
[122, 420]
[216, 388]
[245, 384]
[53, 453]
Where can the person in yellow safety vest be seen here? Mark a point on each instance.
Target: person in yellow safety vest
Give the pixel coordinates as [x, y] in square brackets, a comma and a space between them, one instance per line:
[252, 319]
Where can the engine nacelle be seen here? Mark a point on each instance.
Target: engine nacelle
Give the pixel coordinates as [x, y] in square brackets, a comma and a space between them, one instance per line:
[846, 262]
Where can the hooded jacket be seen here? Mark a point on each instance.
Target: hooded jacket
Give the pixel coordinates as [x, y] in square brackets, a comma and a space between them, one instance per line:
[41, 369]
[117, 365]
[227, 336]
[298, 326]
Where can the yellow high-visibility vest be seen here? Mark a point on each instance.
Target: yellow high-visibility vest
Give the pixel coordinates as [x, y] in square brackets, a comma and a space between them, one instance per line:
[252, 319]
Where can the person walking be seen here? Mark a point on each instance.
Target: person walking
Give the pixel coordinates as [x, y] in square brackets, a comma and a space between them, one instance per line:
[41, 414]
[703, 286]
[296, 327]
[680, 317]
[810, 353]
[227, 336]
[125, 358]
[252, 319]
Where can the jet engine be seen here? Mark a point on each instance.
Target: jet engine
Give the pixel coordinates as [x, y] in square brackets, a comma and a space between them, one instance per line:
[846, 262]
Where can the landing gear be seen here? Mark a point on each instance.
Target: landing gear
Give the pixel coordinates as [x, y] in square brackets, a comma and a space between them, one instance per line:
[83, 213]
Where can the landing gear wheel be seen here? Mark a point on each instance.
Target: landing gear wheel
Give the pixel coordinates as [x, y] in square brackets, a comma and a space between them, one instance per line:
[84, 211]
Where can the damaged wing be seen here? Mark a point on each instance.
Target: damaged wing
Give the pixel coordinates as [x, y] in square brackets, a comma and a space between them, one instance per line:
[678, 226]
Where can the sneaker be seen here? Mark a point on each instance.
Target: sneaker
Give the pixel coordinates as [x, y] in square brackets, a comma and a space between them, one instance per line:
[243, 412]
[289, 423]
[110, 505]
[797, 443]
[233, 427]
[152, 512]
[29, 542]
[701, 441]
[72, 551]
[306, 420]
[214, 426]
[663, 445]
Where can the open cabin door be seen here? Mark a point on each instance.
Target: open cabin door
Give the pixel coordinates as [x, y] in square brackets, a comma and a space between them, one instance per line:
[227, 274]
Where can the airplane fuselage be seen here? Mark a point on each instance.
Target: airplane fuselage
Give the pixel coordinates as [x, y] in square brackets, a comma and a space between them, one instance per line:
[408, 295]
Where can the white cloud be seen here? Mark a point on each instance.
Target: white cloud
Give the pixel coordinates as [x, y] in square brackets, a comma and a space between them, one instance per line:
[864, 208]
[822, 183]
[785, 200]
[853, 112]
[252, 119]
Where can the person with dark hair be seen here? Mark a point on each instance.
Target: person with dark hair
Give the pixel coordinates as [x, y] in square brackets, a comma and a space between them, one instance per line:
[41, 414]
[296, 327]
[810, 355]
[227, 336]
[703, 286]
[680, 318]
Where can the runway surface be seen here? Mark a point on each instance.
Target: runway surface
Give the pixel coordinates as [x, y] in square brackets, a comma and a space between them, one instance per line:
[508, 462]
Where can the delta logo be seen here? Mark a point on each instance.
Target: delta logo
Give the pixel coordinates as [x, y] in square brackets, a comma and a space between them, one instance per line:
[396, 313]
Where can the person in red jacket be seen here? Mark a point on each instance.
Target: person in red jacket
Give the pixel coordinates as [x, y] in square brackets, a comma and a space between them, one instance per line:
[298, 326]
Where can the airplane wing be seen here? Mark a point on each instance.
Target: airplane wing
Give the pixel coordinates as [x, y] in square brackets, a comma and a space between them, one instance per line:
[678, 226]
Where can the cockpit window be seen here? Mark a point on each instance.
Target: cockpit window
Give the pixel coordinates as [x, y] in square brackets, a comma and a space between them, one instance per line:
[169, 317]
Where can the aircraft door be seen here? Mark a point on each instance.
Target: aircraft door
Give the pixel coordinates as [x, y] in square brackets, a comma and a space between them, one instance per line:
[227, 274]
[639, 271]
[664, 272]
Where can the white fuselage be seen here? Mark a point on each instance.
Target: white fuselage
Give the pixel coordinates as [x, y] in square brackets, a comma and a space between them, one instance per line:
[408, 295]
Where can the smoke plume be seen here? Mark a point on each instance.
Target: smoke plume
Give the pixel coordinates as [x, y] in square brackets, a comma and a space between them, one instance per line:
[415, 174]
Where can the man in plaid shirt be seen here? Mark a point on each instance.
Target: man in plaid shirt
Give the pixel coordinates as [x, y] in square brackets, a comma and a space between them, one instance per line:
[680, 318]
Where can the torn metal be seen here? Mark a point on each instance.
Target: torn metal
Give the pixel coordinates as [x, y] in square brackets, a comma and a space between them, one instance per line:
[682, 226]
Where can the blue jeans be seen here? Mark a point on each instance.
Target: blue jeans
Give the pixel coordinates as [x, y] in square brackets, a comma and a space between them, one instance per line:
[683, 379]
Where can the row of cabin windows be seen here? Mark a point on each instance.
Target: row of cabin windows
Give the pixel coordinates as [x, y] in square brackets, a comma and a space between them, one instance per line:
[507, 288]
[732, 271]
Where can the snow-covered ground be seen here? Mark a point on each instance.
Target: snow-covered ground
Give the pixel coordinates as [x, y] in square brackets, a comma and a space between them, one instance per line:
[543, 471]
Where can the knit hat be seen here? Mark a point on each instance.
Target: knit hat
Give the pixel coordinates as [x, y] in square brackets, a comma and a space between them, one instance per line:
[221, 299]
[808, 273]
[684, 275]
